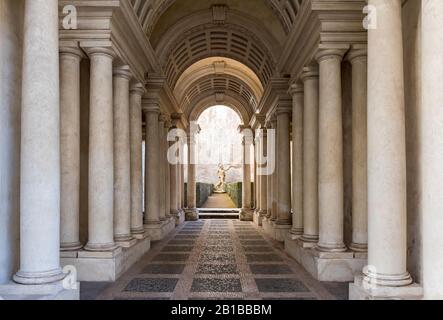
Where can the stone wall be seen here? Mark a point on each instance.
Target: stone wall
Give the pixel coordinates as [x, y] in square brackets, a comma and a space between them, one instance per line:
[11, 38]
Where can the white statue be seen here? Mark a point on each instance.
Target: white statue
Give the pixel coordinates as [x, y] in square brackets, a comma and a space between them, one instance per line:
[221, 172]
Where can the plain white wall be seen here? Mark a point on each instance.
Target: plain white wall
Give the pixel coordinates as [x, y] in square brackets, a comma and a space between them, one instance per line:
[11, 34]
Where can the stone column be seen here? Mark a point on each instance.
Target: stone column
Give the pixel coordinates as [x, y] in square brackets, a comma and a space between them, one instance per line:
[101, 152]
[136, 93]
[152, 174]
[284, 166]
[258, 152]
[167, 170]
[40, 147]
[174, 186]
[330, 172]
[122, 157]
[263, 176]
[274, 177]
[70, 58]
[296, 92]
[192, 187]
[269, 177]
[310, 154]
[247, 141]
[161, 168]
[359, 61]
[386, 150]
[432, 137]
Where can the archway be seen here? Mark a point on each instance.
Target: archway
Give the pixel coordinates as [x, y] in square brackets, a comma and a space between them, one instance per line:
[219, 155]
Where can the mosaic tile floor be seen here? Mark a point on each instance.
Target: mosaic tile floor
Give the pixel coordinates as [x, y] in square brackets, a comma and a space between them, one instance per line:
[216, 259]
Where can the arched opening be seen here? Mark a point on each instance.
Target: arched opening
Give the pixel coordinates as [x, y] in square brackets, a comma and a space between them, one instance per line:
[219, 159]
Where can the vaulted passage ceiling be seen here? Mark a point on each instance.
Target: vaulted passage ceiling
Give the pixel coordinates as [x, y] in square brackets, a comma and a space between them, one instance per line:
[219, 47]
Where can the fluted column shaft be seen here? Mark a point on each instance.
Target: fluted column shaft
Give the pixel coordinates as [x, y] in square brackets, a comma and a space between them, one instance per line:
[101, 152]
[359, 61]
[40, 147]
[386, 149]
[271, 151]
[122, 156]
[432, 137]
[284, 167]
[136, 94]
[310, 154]
[330, 173]
[152, 174]
[70, 59]
[297, 159]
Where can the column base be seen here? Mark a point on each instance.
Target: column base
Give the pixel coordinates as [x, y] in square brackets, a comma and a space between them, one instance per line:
[126, 243]
[179, 217]
[295, 233]
[54, 291]
[106, 266]
[361, 290]
[191, 214]
[139, 234]
[246, 214]
[278, 232]
[158, 231]
[35, 278]
[257, 218]
[326, 266]
[75, 246]
[100, 247]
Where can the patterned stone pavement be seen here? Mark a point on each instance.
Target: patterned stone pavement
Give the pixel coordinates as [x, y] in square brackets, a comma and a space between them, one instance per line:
[216, 259]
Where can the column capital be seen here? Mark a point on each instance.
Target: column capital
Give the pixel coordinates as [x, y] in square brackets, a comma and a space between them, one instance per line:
[107, 51]
[151, 105]
[357, 54]
[123, 71]
[137, 88]
[296, 89]
[331, 52]
[310, 72]
[71, 50]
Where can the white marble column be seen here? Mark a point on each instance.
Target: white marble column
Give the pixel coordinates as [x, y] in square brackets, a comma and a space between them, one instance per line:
[70, 58]
[310, 154]
[330, 169]
[174, 179]
[247, 141]
[296, 91]
[263, 177]
[284, 166]
[40, 147]
[101, 152]
[152, 172]
[386, 149]
[359, 61]
[161, 168]
[432, 137]
[122, 157]
[136, 92]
